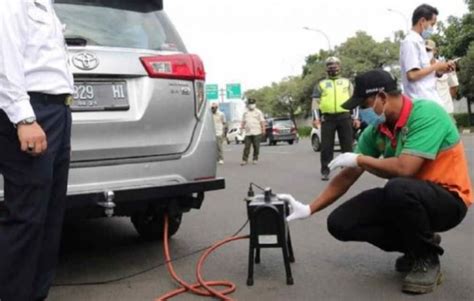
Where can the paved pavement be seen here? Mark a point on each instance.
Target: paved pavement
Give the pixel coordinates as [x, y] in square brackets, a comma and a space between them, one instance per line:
[325, 269]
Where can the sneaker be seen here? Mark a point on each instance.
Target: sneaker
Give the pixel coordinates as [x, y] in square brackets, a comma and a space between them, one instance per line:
[424, 275]
[221, 162]
[404, 263]
[254, 162]
[244, 163]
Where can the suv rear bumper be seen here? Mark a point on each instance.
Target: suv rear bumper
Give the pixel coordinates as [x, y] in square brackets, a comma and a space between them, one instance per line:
[176, 197]
[284, 137]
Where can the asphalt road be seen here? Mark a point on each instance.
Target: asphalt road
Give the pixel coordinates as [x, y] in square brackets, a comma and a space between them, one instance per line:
[325, 269]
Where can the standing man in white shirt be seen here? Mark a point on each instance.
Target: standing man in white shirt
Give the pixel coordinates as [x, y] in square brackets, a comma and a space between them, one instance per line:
[253, 123]
[446, 84]
[219, 126]
[35, 130]
[418, 74]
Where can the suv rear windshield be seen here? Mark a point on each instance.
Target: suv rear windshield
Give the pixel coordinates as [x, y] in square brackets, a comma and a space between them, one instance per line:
[118, 23]
[283, 123]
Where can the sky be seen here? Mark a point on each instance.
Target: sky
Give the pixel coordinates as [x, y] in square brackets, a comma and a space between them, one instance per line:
[257, 42]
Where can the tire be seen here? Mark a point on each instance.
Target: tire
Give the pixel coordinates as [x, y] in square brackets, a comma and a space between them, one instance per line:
[272, 142]
[150, 225]
[290, 142]
[236, 140]
[315, 143]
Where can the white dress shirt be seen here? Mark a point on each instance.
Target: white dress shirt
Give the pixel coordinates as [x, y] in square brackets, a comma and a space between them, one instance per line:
[33, 55]
[413, 55]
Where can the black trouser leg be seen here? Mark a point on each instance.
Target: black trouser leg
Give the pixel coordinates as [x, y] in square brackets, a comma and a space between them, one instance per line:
[54, 219]
[364, 218]
[34, 200]
[248, 142]
[419, 208]
[345, 134]
[402, 216]
[328, 130]
[256, 146]
[21, 232]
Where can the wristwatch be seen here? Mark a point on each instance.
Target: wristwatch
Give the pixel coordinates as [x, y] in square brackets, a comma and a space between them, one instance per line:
[27, 121]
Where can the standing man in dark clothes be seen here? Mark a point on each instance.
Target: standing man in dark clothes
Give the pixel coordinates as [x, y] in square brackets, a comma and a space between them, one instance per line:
[35, 127]
[329, 95]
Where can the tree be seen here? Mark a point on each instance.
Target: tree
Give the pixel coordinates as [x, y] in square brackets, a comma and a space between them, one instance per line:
[280, 99]
[358, 54]
[466, 72]
[466, 78]
[454, 38]
[362, 53]
[292, 96]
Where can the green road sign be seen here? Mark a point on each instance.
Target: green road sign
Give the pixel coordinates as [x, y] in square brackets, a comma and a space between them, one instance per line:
[233, 91]
[212, 92]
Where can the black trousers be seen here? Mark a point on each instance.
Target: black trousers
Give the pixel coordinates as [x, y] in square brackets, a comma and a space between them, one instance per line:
[402, 216]
[35, 190]
[332, 123]
[253, 140]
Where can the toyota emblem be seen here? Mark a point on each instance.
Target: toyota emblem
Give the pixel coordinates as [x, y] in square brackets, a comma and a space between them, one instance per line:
[85, 61]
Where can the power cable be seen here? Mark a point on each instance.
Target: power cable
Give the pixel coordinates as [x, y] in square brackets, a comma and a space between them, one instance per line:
[144, 271]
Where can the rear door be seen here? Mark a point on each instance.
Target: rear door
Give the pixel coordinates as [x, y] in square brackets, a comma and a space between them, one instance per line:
[122, 107]
[284, 126]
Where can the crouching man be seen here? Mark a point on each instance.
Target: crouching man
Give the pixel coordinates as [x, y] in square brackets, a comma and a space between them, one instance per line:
[417, 147]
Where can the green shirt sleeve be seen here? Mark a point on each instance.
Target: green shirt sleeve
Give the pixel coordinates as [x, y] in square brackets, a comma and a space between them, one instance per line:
[367, 143]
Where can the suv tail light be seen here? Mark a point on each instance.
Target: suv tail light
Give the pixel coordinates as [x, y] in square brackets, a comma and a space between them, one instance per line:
[179, 66]
[175, 66]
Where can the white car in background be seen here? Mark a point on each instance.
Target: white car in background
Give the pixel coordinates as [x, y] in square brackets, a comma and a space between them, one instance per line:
[316, 139]
[235, 134]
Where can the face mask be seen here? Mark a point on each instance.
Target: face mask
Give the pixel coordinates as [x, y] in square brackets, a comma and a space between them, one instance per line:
[252, 106]
[430, 55]
[426, 34]
[333, 71]
[369, 116]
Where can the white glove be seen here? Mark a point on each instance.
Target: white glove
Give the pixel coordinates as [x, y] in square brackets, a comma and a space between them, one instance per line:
[298, 210]
[344, 160]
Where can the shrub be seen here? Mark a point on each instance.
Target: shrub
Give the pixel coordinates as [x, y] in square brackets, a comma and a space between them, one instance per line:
[304, 131]
[462, 119]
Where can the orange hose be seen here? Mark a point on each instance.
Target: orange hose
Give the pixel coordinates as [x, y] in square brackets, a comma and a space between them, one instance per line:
[202, 287]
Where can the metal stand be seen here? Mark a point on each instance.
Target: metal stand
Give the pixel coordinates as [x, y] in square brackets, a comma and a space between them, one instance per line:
[268, 229]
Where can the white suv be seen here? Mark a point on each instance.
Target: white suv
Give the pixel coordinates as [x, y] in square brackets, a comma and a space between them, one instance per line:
[143, 140]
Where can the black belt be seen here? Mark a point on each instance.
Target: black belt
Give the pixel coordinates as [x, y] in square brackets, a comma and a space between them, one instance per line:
[62, 99]
[338, 114]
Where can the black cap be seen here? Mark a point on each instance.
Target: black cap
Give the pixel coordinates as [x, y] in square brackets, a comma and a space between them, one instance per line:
[370, 83]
